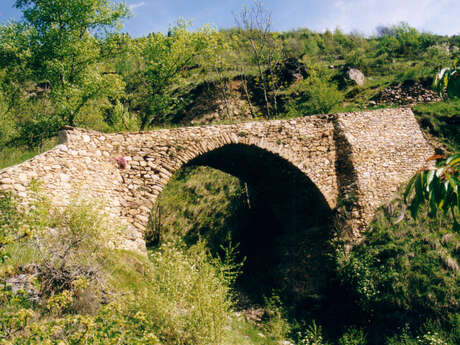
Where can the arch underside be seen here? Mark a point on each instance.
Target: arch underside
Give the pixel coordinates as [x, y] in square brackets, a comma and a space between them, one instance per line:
[289, 240]
[273, 178]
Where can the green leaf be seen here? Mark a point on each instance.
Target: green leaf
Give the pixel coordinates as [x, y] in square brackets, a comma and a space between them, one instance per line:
[437, 192]
[453, 160]
[429, 179]
[452, 182]
[419, 190]
[409, 188]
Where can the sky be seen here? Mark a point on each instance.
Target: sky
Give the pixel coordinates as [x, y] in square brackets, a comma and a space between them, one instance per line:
[363, 16]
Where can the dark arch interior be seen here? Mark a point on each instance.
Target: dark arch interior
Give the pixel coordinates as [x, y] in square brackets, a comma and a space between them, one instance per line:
[285, 238]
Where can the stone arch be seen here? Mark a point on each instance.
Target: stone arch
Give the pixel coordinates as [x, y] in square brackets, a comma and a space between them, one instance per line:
[206, 152]
[366, 155]
[292, 201]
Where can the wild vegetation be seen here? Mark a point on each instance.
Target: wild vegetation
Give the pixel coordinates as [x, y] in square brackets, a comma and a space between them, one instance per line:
[65, 63]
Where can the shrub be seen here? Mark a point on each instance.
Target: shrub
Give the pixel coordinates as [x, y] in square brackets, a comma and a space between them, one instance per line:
[68, 246]
[181, 296]
[9, 221]
[313, 335]
[406, 272]
[189, 296]
[313, 96]
[276, 325]
[353, 336]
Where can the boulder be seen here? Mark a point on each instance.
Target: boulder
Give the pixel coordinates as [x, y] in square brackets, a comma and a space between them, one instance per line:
[356, 76]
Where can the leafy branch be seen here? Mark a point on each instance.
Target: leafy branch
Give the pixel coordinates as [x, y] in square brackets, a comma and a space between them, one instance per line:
[439, 186]
[447, 82]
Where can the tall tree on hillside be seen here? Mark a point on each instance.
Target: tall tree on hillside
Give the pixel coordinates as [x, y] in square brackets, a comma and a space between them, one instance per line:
[264, 47]
[65, 41]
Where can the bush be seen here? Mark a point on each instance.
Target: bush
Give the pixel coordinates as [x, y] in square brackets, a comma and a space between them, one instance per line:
[188, 298]
[68, 247]
[313, 96]
[406, 272]
[353, 336]
[182, 296]
[313, 335]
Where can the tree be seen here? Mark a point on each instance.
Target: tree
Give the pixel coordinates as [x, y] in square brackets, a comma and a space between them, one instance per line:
[264, 47]
[168, 58]
[401, 40]
[65, 41]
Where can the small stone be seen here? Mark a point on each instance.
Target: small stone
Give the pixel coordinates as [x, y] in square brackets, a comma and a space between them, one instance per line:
[64, 177]
[19, 188]
[5, 186]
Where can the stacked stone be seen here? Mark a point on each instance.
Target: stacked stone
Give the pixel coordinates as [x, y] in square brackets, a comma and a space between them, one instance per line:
[368, 154]
[409, 95]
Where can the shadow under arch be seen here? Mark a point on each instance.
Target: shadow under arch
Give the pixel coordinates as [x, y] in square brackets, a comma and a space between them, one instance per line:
[286, 240]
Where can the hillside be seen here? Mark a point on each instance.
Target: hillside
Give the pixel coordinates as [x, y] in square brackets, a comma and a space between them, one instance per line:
[218, 270]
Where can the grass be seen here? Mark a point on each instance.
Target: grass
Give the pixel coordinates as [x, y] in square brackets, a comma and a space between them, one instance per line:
[14, 155]
[198, 203]
[441, 120]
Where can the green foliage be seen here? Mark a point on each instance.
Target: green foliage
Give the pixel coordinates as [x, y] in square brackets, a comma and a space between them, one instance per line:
[276, 325]
[353, 336]
[198, 203]
[262, 48]
[314, 95]
[180, 296]
[402, 40]
[167, 59]
[439, 187]
[60, 45]
[406, 272]
[447, 82]
[34, 132]
[9, 223]
[441, 119]
[64, 65]
[17, 154]
[313, 335]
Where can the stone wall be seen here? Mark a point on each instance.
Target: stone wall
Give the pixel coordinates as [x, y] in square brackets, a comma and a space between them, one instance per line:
[369, 154]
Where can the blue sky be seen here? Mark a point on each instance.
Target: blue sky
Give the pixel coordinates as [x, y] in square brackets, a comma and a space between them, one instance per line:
[438, 16]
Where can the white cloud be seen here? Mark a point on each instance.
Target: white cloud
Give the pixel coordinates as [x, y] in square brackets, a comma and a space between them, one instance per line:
[132, 7]
[365, 15]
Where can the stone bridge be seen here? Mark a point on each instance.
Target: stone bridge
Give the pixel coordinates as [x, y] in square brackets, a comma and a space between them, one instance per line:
[363, 157]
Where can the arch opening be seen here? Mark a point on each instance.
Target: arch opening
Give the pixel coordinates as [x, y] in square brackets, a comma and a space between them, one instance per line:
[280, 219]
